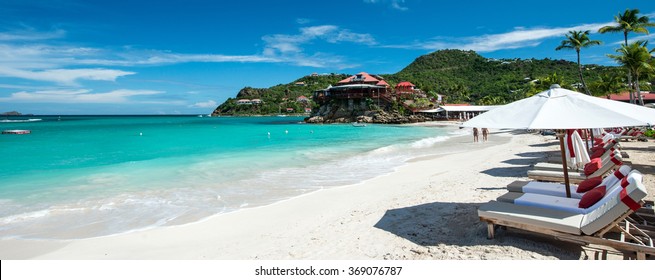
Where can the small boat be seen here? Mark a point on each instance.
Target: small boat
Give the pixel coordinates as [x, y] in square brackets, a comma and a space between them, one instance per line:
[16, 131]
[357, 124]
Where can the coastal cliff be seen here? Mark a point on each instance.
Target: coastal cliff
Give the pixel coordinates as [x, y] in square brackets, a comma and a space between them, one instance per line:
[457, 76]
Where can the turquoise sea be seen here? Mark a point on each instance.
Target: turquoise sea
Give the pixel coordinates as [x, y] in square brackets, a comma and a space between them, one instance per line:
[87, 176]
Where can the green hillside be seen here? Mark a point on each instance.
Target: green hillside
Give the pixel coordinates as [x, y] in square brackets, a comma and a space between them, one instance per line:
[465, 76]
[461, 76]
[277, 98]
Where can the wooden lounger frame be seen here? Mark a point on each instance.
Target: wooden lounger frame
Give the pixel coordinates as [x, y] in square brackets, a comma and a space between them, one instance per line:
[632, 240]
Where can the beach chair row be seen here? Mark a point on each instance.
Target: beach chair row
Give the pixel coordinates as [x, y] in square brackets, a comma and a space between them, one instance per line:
[604, 211]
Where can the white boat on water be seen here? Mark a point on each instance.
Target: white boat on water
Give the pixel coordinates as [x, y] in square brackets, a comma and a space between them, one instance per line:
[16, 131]
[357, 124]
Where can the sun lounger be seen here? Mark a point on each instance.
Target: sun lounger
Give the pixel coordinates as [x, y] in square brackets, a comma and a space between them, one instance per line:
[575, 177]
[559, 189]
[558, 166]
[607, 225]
[565, 203]
[630, 134]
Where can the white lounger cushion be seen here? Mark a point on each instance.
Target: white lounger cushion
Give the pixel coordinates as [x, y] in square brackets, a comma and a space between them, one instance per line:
[558, 189]
[527, 215]
[604, 215]
[557, 176]
[549, 188]
[551, 202]
[567, 204]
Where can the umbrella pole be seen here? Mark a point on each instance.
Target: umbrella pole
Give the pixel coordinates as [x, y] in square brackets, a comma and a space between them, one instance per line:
[560, 135]
[590, 144]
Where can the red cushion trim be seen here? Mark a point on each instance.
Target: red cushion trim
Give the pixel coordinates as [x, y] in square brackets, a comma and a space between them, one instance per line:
[627, 200]
[618, 174]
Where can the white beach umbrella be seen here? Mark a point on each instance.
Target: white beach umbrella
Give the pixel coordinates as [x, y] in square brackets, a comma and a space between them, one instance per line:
[559, 108]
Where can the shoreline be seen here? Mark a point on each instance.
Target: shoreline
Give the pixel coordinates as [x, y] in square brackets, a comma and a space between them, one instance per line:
[425, 209]
[451, 141]
[201, 186]
[55, 245]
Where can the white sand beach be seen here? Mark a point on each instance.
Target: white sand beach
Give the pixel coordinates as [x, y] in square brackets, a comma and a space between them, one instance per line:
[426, 210]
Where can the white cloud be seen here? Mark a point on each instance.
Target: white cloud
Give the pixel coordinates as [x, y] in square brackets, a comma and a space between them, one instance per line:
[348, 36]
[284, 43]
[303, 20]
[77, 96]
[67, 64]
[31, 35]
[208, 104]
[395, 4]
[518, 38]
[64, 76]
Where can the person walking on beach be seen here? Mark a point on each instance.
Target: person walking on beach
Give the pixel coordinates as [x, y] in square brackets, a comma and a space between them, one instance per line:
[475, 134]
[485, 133]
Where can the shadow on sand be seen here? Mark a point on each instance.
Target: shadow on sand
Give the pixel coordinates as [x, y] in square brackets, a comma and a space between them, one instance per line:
[642, 149]
[425, 225]
[522, 161]
[546, 144]
[504, 172]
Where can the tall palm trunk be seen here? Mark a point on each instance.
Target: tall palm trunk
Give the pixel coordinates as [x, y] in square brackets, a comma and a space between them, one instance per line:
[584, 85]
[630, 85]
[638, 92]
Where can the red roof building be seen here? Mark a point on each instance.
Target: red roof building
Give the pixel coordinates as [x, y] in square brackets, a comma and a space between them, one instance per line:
[302, 98]
[405, 87]
[358, 86]
[649, 97]
[363, 78]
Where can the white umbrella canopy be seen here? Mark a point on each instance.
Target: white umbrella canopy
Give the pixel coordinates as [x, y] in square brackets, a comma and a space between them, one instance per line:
[559, 108]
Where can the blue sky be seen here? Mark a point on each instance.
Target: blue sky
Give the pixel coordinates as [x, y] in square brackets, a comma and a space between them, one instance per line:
[186, 57]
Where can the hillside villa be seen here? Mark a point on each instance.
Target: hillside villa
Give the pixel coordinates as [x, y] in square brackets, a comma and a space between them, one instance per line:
[362, 85]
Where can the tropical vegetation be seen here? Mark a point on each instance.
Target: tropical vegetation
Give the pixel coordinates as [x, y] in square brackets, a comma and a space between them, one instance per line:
[467, 77]
[629, 21]
[576, 40]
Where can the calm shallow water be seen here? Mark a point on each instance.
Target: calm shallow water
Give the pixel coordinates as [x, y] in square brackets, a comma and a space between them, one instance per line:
[85, 176]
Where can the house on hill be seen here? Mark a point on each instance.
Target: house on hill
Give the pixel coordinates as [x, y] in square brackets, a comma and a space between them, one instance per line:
[244, 102]
[302, 99]
[358, 86]
[405, 88]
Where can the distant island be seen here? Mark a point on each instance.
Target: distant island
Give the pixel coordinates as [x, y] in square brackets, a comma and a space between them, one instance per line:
[441, 77]
[12, 113]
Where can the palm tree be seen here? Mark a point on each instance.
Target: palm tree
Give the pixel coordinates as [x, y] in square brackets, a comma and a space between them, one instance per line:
[608, 83]
[576, 40]
[628, 22]
[637, 59]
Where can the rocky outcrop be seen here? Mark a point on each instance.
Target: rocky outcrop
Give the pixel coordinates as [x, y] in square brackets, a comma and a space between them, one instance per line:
[347, 111]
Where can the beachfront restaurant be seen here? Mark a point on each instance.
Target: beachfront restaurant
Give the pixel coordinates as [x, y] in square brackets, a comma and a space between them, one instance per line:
[456, 112]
